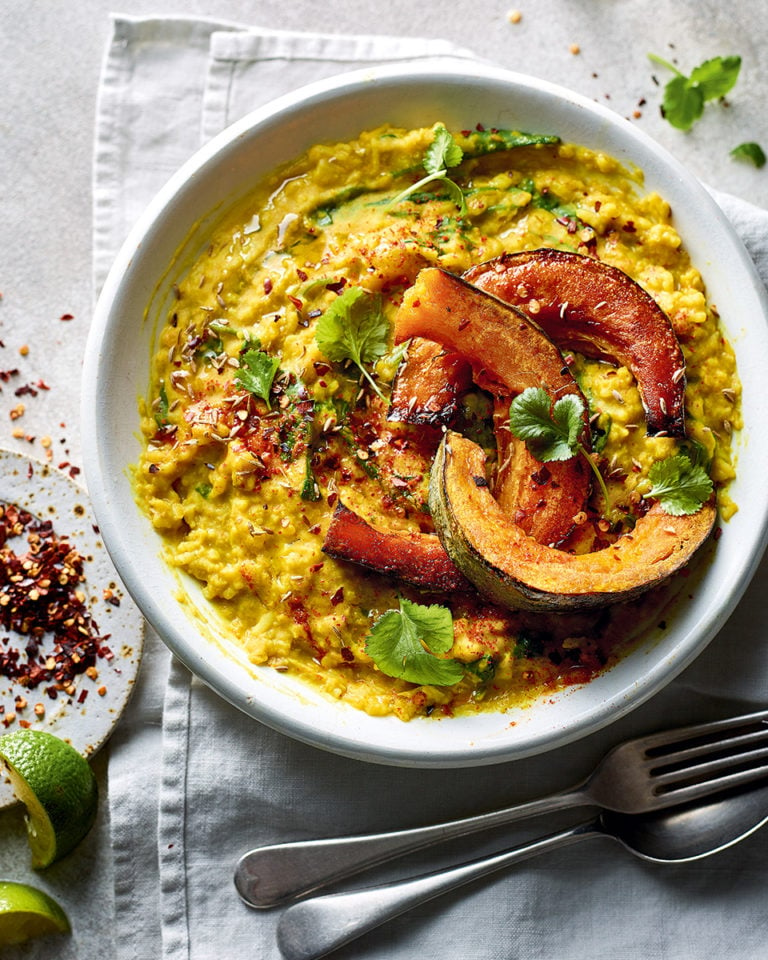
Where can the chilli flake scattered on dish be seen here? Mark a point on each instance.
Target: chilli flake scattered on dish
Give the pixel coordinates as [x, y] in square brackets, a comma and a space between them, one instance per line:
[438, 418]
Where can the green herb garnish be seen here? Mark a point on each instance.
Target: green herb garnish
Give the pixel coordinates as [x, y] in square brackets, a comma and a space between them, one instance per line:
[354, 328]
[256, 372]
[529, 645]
[162, 408]
[211, 347]
[751, 152]
[480, 142]
[600, 434]
[483, 669]
[547, 200]
[565, 213]
[310, 489]
[204, 489]
[297, 434]
[403, 643]
[551, 432]
[323, 213]
[397, 353]
[684, 97]
[680, 485]
[442, 154]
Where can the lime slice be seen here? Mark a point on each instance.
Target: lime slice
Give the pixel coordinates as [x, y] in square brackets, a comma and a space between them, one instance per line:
[26, 912]
[58, 788]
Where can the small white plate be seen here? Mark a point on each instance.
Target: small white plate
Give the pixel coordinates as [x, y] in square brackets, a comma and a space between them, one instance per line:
[85, 717]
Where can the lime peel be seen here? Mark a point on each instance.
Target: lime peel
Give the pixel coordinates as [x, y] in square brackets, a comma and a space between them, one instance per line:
[58, 788]
[27, 913]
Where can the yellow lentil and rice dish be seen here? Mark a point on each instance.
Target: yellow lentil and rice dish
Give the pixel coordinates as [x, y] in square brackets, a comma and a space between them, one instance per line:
[256, 428]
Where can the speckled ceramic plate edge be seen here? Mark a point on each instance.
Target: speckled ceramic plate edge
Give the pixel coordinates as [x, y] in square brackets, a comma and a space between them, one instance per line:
[50, 494]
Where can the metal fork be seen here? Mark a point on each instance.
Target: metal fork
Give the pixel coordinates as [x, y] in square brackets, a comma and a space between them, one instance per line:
[649, 773]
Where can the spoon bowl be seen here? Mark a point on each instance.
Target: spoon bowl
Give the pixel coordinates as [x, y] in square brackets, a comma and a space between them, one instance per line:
[690, 832]
[315, 927]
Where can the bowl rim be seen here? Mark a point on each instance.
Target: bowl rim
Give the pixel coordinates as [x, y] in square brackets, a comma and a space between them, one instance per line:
[114, 527]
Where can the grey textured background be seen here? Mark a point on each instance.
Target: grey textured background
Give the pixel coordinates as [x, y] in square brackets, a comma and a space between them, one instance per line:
[50, 57]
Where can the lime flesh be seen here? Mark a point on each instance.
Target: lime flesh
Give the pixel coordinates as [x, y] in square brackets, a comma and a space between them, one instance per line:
[58, 788]
[27, 913]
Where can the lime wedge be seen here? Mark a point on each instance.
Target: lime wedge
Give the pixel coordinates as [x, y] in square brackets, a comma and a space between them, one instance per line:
[26, 912]
[58, 788]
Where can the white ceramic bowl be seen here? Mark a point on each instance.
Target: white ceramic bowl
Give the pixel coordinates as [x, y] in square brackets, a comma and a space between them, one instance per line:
[116, 374]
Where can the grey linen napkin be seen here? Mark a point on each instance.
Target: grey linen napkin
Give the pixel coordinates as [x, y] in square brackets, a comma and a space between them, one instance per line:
[193, 783]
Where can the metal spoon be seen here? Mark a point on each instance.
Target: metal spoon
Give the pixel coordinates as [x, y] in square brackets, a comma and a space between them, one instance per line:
[314, 927]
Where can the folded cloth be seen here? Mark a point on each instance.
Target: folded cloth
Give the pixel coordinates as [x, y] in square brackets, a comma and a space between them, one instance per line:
[194, 783]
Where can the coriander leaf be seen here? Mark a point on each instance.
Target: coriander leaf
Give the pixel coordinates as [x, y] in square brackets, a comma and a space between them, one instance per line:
[256, 372]
[716, 77]
[680, 486]
[484, 668]
[529, 645]
[565, 213]
[683, 104]
[354, 328]
[210, 348]
[398, 353]
[442, 153]
[322, 213]
[750, 151]
[403, 644]
[551, 433]
[684, 97]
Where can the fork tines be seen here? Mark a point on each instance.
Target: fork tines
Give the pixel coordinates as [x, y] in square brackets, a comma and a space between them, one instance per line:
[720, 756]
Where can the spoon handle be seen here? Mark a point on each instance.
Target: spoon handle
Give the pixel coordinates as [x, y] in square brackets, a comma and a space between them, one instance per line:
[276, 874]
[315, 927]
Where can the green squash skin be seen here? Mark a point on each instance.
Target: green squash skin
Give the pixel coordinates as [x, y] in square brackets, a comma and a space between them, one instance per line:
[512, 592]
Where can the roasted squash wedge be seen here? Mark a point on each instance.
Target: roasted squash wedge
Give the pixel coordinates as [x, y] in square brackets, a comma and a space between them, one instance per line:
[429, 384]
[507, 353]
[542, 498]
[591, 307]
[418, 559]
[514, 570]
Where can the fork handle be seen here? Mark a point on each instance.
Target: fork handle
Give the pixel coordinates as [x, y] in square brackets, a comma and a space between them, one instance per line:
[315, 927]
[272, 875]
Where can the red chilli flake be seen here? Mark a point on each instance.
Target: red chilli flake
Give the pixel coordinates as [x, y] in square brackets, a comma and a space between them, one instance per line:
[41, 598]
[338, 596]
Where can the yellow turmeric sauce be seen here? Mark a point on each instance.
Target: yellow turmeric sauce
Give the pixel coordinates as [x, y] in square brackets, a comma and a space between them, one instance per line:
[242, 487]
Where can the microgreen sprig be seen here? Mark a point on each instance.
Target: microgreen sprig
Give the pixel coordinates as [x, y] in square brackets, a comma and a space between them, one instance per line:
[440, 156]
